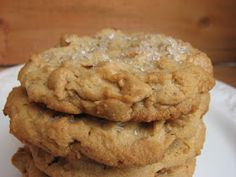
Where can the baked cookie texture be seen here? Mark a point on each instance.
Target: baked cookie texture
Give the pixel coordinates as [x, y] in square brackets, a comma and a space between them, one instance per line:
[23, 160]
[180, 171]
[119, 76]
[185, 170]
[111, 105]
[59, 167]
[117, 144]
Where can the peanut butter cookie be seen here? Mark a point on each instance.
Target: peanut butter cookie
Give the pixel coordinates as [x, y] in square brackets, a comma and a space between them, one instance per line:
[119, 76]
[112, 143]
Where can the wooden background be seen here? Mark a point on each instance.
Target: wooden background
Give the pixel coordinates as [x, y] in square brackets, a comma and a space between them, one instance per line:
[28, 26]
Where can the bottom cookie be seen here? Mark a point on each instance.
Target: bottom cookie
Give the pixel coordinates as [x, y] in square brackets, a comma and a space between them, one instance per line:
[23, 160]
[35, 162]
[185, 170]
[177, 162]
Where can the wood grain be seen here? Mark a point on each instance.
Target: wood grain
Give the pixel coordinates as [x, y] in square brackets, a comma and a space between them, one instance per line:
[226, 74]
[28, 26]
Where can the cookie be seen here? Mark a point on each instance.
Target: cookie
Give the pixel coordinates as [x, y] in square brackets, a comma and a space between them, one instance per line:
[120, 77]
[59, 167]
[23, 160]
[179, 171]
[111, 143]
[185, 170]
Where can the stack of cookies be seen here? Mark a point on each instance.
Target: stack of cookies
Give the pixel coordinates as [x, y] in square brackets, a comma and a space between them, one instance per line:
[111, 105]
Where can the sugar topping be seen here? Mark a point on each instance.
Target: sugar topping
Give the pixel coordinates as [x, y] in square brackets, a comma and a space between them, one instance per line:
[109, 45]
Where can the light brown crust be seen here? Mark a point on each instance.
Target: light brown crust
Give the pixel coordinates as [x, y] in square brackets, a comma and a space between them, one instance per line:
[44, 163]
[185, 170]
[120, 77]
[23, 161]
[180, 171]
[110, 143]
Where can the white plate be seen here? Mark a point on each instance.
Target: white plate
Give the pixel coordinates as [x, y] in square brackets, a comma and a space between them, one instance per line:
[218, 158]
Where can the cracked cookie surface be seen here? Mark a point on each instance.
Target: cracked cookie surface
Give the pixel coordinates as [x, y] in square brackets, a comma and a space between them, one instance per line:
[112, 143]
[119, 76]
[59, 167]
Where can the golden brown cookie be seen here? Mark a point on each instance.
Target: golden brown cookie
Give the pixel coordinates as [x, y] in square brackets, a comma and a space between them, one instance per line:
[111, 143]
[23, 160]
[179, 171]
[185, 170]
[119, 76]
[57, 167]
[42, 163]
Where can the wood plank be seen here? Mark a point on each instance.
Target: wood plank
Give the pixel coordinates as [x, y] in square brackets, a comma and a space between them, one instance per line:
[29, 26]
[226, 74]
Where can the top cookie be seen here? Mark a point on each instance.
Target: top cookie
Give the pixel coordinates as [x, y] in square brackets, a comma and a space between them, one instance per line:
[120, 77]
